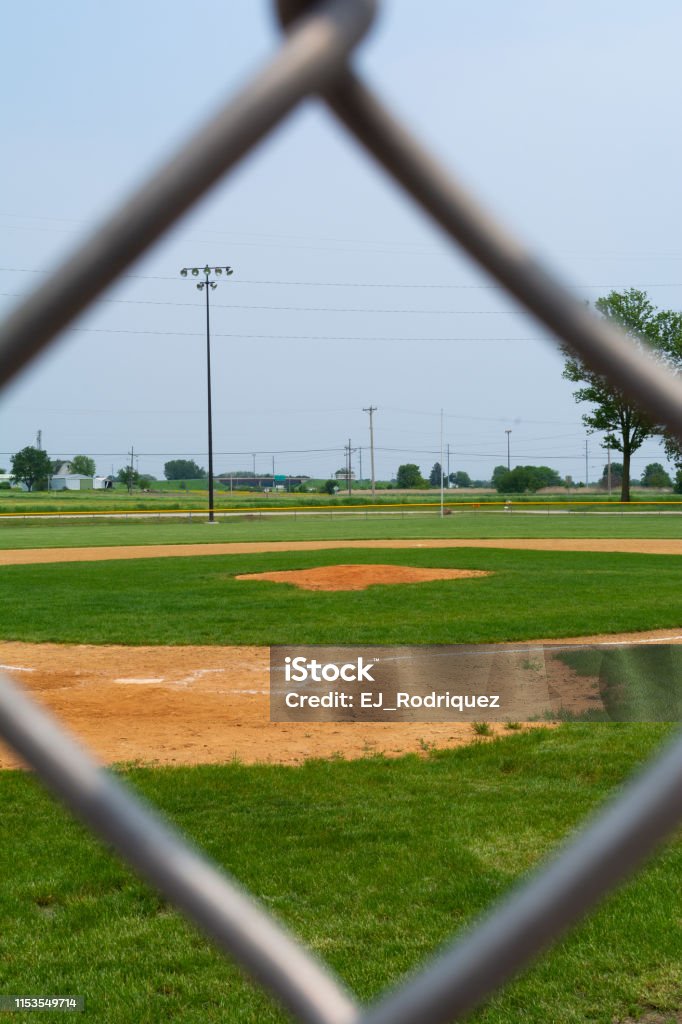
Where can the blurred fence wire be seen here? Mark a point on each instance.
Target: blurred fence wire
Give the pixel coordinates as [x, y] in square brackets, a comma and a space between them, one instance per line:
[314, 60]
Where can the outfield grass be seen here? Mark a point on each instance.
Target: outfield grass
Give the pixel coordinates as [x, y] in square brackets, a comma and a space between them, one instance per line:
[374, 863]
[38, 533]
[530, 595]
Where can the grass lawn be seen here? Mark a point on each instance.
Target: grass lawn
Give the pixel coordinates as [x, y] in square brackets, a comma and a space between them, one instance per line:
[38, 533]
[375, 863]
[530, 595]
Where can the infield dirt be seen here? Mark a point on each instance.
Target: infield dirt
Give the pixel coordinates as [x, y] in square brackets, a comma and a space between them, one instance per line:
[32, 556]
[205, 705]
[197, 705]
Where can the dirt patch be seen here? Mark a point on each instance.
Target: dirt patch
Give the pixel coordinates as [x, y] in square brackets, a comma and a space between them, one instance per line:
[32, 556]
[359, 577]
[206, 705]
[192, 705]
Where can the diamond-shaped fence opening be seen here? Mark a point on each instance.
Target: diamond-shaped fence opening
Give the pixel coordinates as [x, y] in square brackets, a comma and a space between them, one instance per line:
[314, 59]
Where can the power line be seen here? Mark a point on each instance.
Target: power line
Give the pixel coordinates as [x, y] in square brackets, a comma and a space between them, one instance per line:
[347, 284]
[303, 309]
[284, 337]
[183, 455]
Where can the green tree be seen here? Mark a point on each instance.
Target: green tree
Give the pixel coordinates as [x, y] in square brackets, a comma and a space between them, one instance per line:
[625, 426]
[435, 475]
[654, 475]
[31, 466]
[129, 476]
[498, 473]
[329, 487]
[183, 469]
[409, 475]
[83, 464]
[524, 479]
[616, 475]
[460, 479]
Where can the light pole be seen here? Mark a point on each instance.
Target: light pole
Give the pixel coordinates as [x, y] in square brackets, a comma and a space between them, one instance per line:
[208, 285]
[508, 432]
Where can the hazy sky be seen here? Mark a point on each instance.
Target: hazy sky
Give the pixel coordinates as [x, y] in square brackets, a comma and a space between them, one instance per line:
[562, 118]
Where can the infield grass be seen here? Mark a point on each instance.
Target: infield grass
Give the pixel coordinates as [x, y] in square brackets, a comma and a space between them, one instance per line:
[529, 595]
[374, 863]
[37, 533]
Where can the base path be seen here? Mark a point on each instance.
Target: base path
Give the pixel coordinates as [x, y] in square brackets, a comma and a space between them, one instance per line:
[32, 556]
[207, 705]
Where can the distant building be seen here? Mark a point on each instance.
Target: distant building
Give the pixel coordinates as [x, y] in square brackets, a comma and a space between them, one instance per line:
[263, 483]
[71, 482]
[342, 474]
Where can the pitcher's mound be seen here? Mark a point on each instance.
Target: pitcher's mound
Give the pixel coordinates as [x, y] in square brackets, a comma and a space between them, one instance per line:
[358, 577]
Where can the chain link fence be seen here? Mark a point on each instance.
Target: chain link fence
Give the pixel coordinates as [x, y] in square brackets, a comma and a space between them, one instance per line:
[314, 60]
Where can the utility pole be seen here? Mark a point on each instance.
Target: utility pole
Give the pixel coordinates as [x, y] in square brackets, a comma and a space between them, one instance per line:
[586, 470]
[348, 471]
[442, 511]
[448, 473]
[608, 472]
[371, 410]
[208, 285]
[508, 432]
[360, 462]
[39, 440]
[131, 470]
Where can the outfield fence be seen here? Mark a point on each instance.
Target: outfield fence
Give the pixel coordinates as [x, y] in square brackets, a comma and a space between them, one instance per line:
[365, 509]
[314, 60]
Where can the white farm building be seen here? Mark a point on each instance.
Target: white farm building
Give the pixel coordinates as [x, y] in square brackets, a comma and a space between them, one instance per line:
[71, 482]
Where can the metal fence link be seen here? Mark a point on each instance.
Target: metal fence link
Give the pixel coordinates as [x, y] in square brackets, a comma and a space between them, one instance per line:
[313, 60]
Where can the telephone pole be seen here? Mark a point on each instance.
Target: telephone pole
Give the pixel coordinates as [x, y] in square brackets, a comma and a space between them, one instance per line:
[131, 470]
[208, 285]
[348, 471]
[371, 410]
[586, 469]
[442, 510]
[508, 432]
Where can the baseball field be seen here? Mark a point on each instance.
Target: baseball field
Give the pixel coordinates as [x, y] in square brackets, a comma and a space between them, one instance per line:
[374, 842]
